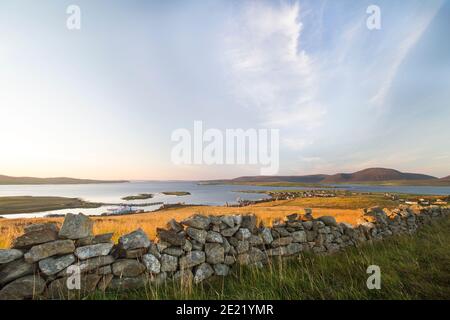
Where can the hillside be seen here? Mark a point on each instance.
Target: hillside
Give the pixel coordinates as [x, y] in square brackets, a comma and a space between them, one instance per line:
[7, 180]
[377, 175]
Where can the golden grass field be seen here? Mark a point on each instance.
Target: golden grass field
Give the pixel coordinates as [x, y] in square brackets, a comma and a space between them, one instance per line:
[344, 209]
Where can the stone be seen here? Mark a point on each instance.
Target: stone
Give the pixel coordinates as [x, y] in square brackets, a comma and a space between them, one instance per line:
[279, 251]
[243, 234]
[9, 255]
[249, 222]
[127, 268]
[215, 253]
[221, 269]
[329, 221]
[184, 276]
[127, 283]
[229, 232]
[266, 235]
[133, 253]
[41, 226]
[187, 246]
[256, 255]
[299, 236]
[104, 282]
[174, 226]
[282, 241]
[76, 227]
[169, 263]
[36, 237]
[134, 240]
[84, 241]
[237, 219]
[242, 246]
[203, 272]
[45, 250]
[59, 288]
[228, 220]
[197, 221]
[192, 259]
[151, 263]
[226, 245]
[255, 240]
[174, 251]
[214, 237]
[95, 263]
[104, 270]
[53, 265]
[197, 234]
[14, 270]
[307, 225]
[229, 260]
[171, 237]
[162, 245]
[293, 248]
[103, 238]
[94, 250]
[23, 288]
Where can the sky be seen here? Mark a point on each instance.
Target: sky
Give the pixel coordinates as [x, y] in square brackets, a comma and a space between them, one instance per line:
[103, 101]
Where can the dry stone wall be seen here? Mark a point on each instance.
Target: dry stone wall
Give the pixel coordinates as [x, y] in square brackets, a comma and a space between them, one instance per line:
[42, 262]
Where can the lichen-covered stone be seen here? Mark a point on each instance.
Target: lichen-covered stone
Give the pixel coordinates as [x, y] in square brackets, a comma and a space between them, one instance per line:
[197, 221]
[169, 263]
[134, 240]
[45, 250]
[197, 234]
[151, 263]
[53, 265]
[76, 226]
[9, 255]
[215, 253]
[127, 268]
[23, 288]
[203, 272]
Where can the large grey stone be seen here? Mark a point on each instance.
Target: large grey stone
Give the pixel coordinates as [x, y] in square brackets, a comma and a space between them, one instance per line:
[221, 269]
[95, 263]
[53, 265]
[8, 255]
[41, 226]
[169, 263]
[174, 251]
[171, 237]
[192, 259]
[174, 226]
[203, 272]
[197, 234]
[23, 288]
[151, 263]
[32, 238]
[134, 240]
[249, 222]
[76, 227]
[229, 232]
[127, 268]
[197, 221]
[299, 236]
[266, 235]
[127, 283]
[215, 253]
[228, 220]
[103, 238]
[243, 234]
[94, 250]
[214, 237]
[15, 270]
[59, 288]
[282, 241]
[49, 249]
[329, 221]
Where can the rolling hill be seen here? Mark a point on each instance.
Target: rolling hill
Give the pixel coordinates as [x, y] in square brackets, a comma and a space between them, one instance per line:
[7, 180]
[374, 175]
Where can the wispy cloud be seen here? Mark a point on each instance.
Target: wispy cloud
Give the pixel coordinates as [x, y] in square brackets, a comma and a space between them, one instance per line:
[417, 27]
[269, 70]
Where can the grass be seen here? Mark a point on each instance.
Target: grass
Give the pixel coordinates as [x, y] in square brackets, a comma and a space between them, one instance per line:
[27, 204]
[412, 267]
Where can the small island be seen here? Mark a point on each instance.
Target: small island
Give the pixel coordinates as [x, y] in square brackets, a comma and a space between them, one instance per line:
[141, 196]
[176, 193]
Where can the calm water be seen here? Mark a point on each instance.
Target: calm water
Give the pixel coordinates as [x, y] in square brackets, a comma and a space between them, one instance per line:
[200, 194]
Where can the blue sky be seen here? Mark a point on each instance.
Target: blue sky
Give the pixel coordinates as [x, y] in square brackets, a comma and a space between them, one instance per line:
[103, 101]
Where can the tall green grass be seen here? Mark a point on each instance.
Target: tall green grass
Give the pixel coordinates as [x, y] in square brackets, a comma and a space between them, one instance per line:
[412, 267]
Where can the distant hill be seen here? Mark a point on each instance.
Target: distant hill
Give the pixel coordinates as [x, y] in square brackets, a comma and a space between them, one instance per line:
[366, 175]
[7, 180]
[445, 178]
[375, 174]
